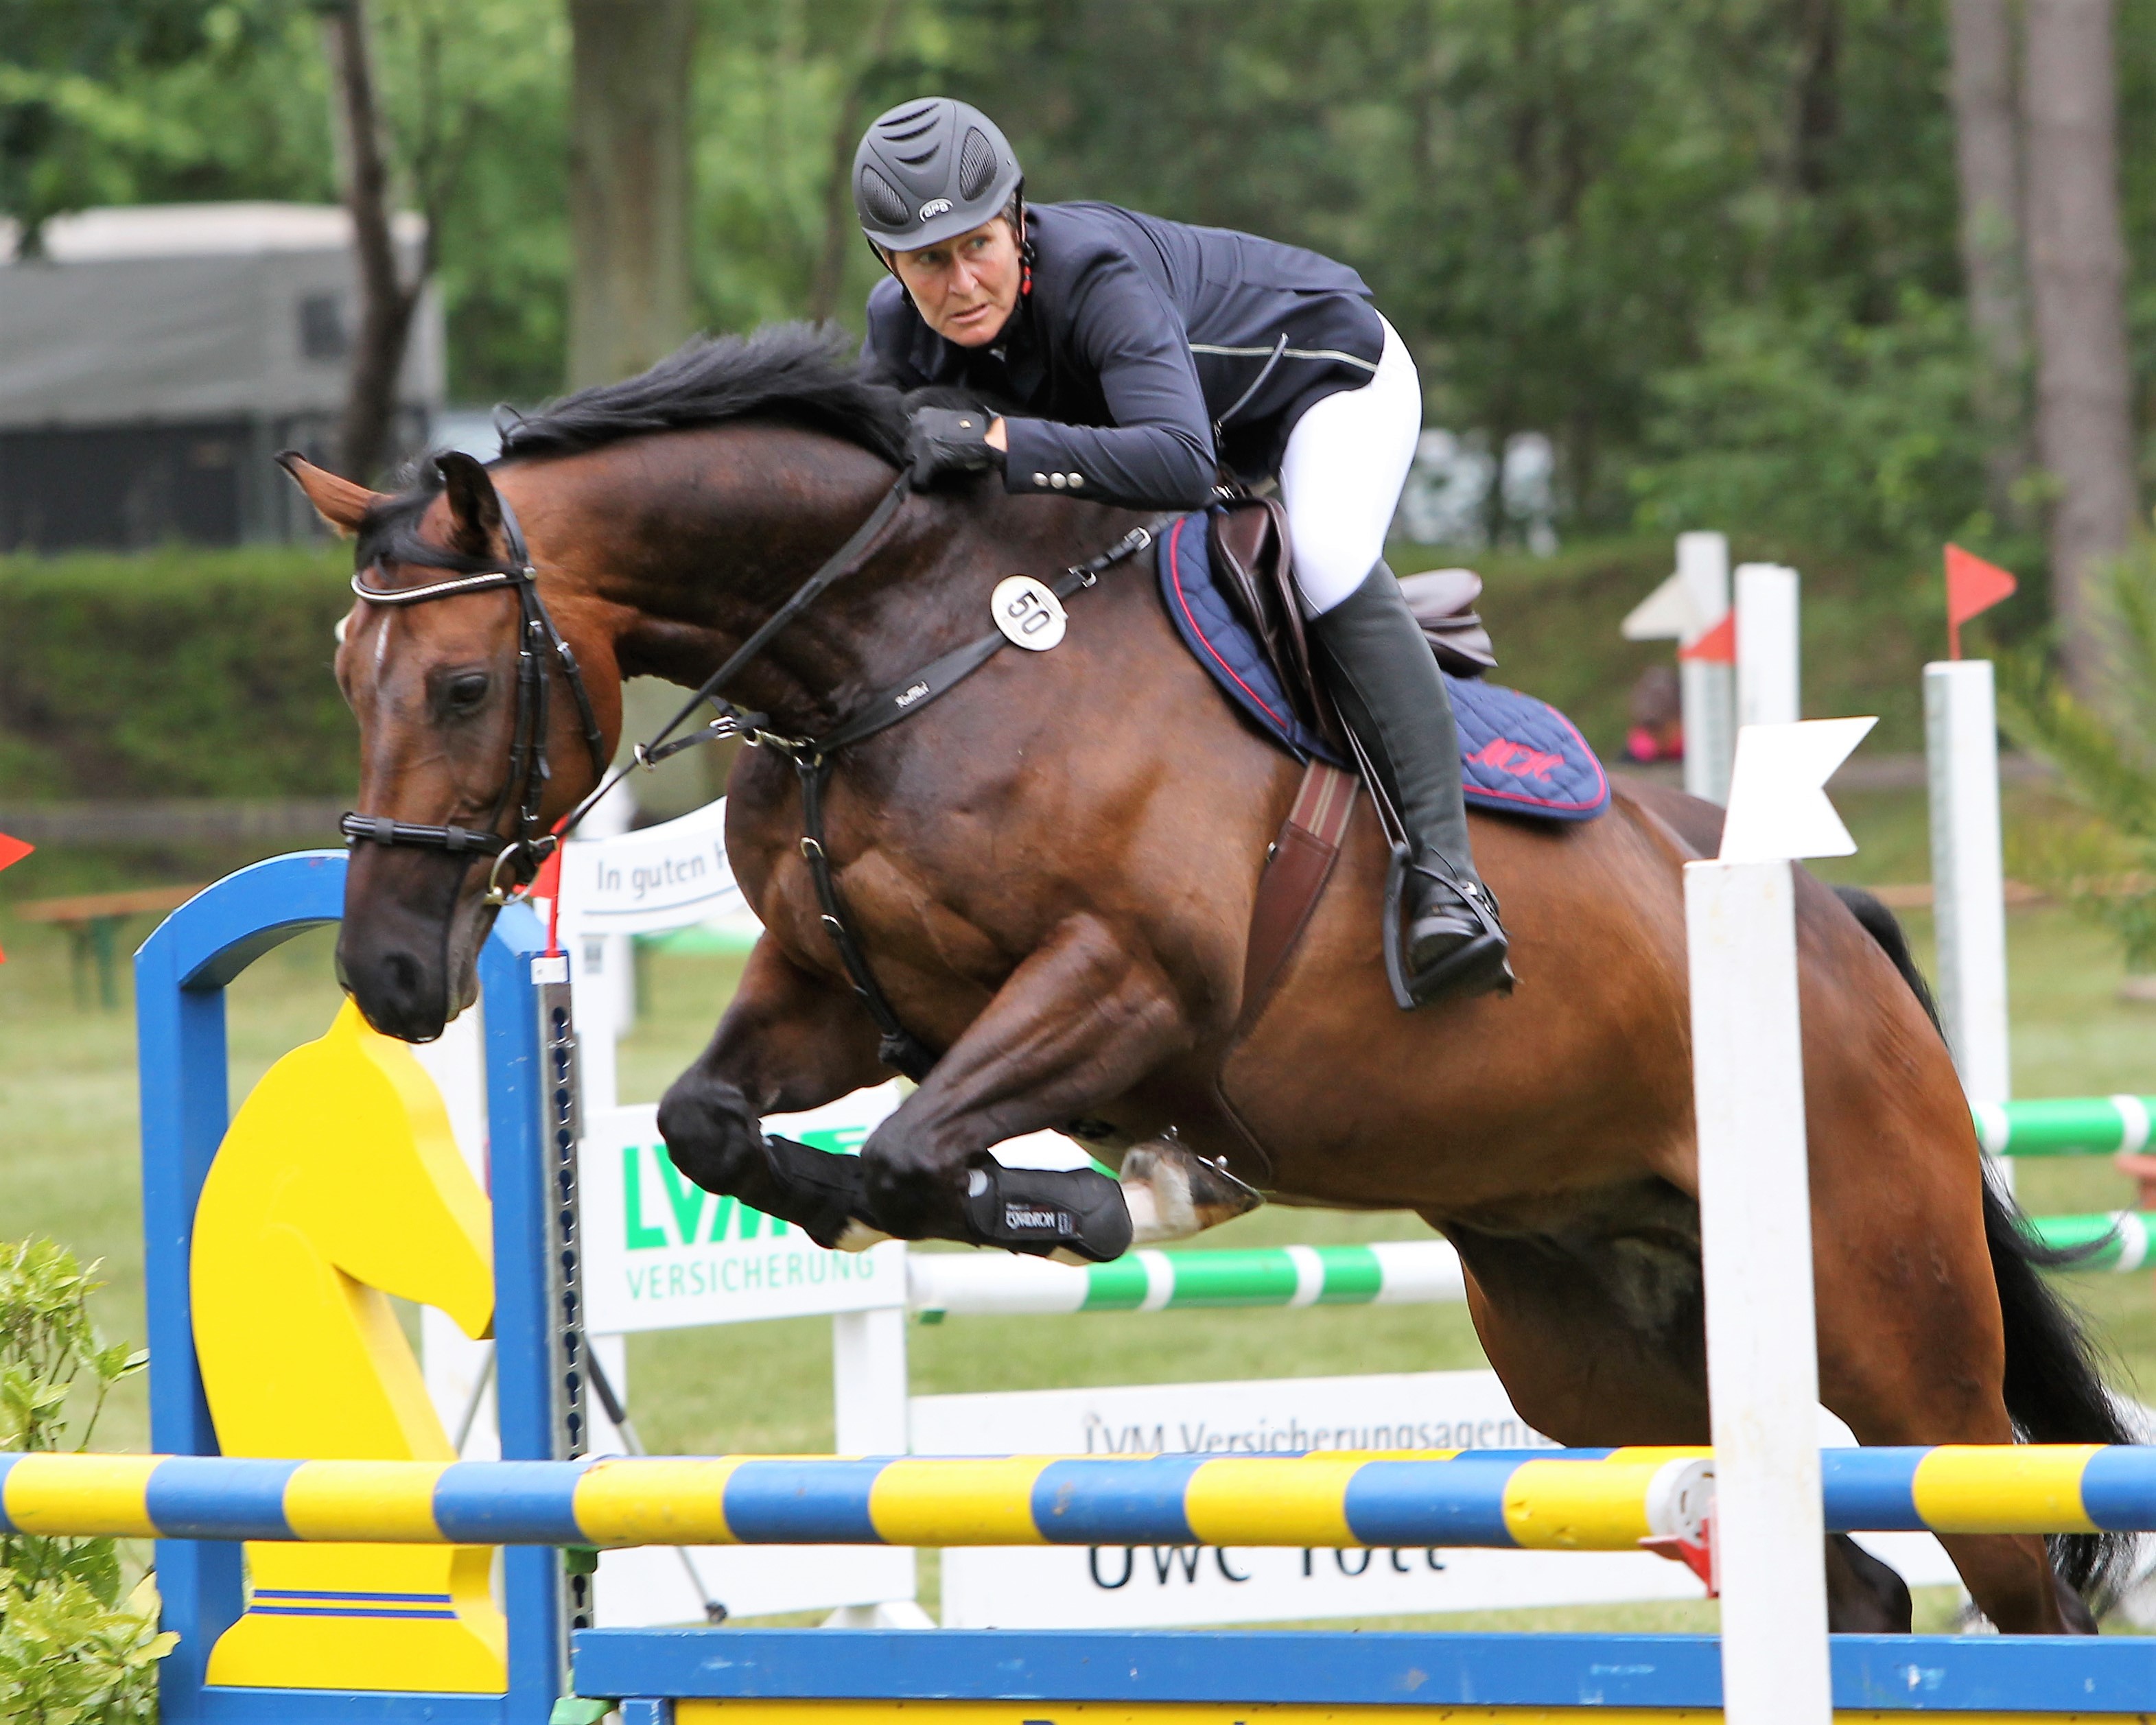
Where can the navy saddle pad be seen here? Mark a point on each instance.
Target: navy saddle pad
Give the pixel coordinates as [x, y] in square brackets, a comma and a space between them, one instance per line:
[1519, 754]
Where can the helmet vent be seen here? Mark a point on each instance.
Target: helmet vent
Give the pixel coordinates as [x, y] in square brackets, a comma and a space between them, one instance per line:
[882, 201]
[890, 125]
[976, 164]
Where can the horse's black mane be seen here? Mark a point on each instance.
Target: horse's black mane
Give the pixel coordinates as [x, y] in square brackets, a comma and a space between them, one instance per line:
[798, 372]
[795, 371]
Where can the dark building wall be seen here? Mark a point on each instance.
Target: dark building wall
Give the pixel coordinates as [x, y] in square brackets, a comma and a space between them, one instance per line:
[131, 487]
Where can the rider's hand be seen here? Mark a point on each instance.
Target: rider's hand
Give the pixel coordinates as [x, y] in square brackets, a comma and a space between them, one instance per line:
[941, 441]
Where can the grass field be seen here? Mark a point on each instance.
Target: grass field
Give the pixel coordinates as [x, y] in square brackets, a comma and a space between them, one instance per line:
[68, 1168]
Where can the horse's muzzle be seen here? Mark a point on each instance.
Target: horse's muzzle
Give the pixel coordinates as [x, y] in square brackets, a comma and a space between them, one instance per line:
[396, 955]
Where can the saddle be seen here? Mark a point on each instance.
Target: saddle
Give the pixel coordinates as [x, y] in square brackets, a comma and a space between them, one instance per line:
[1254, 561]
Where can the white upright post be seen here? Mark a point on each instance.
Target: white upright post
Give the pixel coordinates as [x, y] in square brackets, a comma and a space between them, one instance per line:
[1755, 1222]
[602, 968]
[1769, 680]
[871, 1417]
[1706, 686]
[1969, 884]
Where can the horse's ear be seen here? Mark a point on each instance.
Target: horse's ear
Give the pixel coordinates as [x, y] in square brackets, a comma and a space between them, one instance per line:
[337, 501]
[474, 511]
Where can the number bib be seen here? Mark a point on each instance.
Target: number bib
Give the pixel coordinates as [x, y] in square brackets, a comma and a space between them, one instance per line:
[1028, 614]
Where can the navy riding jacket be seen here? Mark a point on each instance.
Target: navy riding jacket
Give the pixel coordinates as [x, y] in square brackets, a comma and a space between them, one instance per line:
[1141, 341]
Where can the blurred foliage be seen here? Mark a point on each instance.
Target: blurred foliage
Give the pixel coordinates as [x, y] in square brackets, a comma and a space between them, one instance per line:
[1706, 245]
[178, 673]
[2104, 866]
[73, 1649]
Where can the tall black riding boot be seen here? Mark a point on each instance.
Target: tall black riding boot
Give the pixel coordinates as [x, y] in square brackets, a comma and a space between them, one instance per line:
[1385, 681]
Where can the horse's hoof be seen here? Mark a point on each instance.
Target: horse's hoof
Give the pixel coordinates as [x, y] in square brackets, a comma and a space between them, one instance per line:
[1172, 1192]
[1045, 1211]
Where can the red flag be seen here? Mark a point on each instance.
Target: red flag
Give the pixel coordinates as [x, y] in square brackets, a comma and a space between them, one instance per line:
[12, 852]
[1717, 646]
[1972, 585]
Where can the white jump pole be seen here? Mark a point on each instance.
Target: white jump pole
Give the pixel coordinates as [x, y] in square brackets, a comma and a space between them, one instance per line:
[1968, 899]
[1755, 1220]
[1769, 677]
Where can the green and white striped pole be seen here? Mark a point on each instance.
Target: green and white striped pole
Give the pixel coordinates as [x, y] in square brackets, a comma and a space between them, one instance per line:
[2064, 1125]
[1401, 1272]
[1405, 1272]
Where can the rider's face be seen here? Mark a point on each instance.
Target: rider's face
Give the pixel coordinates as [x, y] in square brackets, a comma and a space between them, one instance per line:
[964, 288]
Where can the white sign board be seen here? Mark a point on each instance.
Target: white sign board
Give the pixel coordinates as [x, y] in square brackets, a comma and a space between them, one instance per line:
[660, 1253]
[1125, 1586]
[1122, 1587]
[655, 878]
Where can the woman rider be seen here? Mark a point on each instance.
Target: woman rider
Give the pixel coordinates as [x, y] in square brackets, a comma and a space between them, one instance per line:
[1147, 357]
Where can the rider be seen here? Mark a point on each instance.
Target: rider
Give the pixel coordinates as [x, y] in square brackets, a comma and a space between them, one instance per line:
[1151, 360]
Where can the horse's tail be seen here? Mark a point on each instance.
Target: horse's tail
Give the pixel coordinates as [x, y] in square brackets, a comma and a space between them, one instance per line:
[2055, 1391]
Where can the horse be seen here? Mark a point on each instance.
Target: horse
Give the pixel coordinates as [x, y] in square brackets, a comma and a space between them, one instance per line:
[1051, 874]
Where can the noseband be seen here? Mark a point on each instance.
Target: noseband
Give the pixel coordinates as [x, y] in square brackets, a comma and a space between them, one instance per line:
[540, 646]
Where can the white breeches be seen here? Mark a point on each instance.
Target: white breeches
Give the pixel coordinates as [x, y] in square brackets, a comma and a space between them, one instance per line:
[1340, 479]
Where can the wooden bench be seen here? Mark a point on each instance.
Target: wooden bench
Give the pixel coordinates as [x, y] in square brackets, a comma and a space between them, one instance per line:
[92, 920]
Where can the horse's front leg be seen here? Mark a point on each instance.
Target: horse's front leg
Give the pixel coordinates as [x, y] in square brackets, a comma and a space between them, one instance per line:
[1079, 1022]
[789, 1041]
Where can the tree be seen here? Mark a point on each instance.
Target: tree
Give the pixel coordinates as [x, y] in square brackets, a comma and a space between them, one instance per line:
[2077, 279]
[388, 296]
[425, 158]
[1987, 157]
[628, 184]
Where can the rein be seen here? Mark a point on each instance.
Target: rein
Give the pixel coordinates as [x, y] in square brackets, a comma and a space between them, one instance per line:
[813, 758]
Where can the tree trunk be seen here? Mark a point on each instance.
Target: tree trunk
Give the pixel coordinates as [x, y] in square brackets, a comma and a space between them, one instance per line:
[840, 229]
[386, 301]
[629, 185]
[1987, 158]
[2076, 278]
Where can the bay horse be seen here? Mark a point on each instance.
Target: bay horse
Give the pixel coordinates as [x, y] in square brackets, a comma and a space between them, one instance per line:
[1051, 874]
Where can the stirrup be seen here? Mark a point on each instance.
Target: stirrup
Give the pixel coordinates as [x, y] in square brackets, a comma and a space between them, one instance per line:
[1478, 966]
[1073, 1214]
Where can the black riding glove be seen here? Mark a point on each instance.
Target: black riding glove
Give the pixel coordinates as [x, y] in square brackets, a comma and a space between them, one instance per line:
[941, 441]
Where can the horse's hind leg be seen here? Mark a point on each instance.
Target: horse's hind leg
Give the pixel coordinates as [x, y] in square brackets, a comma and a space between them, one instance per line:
[1598, 1341]
[1912, 1344]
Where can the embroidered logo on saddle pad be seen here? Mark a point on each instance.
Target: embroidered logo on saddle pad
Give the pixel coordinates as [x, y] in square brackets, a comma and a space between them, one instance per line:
[1519, 754]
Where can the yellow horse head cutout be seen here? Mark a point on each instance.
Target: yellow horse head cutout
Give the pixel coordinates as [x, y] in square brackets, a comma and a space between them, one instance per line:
[338, 1184]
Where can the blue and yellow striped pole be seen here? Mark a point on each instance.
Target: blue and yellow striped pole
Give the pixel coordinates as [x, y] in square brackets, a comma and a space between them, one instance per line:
[1582, 1500]
[1586, 1500]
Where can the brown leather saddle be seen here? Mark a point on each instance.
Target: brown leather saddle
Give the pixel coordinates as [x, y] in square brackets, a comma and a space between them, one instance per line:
[1255, 563]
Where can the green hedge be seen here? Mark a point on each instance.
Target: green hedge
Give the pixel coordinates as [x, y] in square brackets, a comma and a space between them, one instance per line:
[201, 673]
[178, 673]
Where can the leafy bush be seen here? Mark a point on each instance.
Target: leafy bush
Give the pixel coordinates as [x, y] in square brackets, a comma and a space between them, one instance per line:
[1834, 433]
[179, 673]
[2106, 868]
[73, 1651]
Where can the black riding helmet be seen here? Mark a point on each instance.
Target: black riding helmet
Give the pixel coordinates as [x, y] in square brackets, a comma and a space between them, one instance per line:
[929, 170]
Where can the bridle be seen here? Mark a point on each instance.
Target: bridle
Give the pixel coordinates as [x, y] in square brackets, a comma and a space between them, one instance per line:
[813, 757]
[540, 648]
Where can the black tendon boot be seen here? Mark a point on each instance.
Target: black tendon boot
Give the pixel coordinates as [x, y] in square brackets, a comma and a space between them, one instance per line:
[1384, 679]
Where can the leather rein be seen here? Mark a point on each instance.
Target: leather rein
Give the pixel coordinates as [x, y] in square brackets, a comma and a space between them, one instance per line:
[813, 758]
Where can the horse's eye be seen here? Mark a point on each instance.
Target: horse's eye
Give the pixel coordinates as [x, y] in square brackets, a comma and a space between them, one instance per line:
[467, 691]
